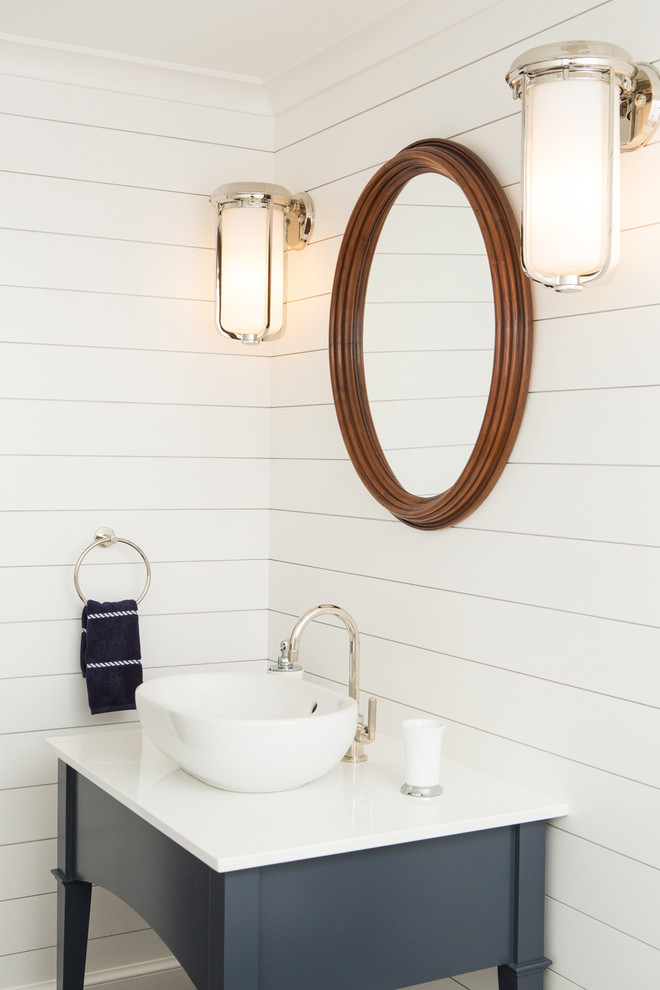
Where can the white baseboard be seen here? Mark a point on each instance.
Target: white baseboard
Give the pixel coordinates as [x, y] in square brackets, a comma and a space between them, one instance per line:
[158, 974]
[166, 979]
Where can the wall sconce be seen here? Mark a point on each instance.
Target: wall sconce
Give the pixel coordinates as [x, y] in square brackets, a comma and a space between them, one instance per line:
[256, 221]
[582, 103]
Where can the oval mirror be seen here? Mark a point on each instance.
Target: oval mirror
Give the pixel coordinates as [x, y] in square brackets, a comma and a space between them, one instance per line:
[427, 387]
[430, 334]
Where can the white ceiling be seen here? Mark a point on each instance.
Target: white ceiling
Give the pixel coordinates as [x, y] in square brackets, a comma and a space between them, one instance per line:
[255, 39]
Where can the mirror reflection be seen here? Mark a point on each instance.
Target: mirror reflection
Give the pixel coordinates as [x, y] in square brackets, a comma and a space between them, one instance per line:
[429, 330]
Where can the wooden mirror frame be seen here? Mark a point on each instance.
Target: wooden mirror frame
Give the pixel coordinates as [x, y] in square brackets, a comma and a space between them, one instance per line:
[513, 333]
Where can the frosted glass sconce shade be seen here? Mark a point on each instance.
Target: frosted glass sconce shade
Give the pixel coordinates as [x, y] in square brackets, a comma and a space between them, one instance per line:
[256, 223]
[571, 185]
[582, 103]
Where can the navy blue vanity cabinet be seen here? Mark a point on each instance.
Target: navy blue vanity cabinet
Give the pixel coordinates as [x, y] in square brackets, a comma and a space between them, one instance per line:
[376, 918]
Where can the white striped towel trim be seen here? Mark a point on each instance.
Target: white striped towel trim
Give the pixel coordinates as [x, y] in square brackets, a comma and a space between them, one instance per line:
[111, 663]
[109, 615]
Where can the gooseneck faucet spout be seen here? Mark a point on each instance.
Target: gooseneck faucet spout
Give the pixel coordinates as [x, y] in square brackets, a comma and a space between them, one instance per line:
[365, 732]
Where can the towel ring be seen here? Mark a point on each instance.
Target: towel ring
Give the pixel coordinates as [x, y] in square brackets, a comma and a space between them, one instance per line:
[106, 538]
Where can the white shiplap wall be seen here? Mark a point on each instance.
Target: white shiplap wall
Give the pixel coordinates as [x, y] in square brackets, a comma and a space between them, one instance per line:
[121, 406]
[532, 627]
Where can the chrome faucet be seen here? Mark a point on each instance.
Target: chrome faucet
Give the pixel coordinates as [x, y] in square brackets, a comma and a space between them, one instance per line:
[288, 660]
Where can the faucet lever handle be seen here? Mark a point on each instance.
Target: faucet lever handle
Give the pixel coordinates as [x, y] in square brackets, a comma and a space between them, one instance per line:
[371, 719]
[368, 733]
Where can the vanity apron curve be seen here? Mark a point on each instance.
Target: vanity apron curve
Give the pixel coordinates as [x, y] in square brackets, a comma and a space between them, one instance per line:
[389, 912]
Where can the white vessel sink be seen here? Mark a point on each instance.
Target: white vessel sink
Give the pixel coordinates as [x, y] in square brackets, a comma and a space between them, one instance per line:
[247, 731]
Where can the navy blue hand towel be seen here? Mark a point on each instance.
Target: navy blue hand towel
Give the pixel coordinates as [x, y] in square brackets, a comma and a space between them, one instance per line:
[110, 655]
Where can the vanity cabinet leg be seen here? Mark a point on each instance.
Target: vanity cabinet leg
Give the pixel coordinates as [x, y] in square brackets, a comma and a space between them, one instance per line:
[234, 930]
[526, 969]
[73, 895]
[526, 977]
[73, 905]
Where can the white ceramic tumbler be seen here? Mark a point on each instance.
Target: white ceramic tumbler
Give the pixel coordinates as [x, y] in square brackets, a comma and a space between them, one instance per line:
[422, 739]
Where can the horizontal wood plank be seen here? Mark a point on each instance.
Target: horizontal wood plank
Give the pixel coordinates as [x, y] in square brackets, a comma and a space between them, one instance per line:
[142, 430]
[28, 814]
[129, 112]
[589, 653]
[26, 869]
[617, 503]
[91, 209]
[45, 147]
[597, 956]
[38, 371]
[48, 537]
[60, 702]
[45, 593]
[605, 733]
[607, 580]
[449, 42]
[31, 923]
[104, 954]
[63, 261]
[618, 891]
[43, 648]
[62, 316]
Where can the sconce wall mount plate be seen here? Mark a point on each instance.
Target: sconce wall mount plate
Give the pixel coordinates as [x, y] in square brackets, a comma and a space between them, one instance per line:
[640, 108]
[582, 103]
[256, 221]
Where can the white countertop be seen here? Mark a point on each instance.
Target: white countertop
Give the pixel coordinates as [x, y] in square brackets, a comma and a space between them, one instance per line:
[351, 808]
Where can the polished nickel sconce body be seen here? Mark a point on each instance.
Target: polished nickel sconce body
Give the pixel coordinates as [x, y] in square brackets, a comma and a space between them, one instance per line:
[256, 222]
[582, 103]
